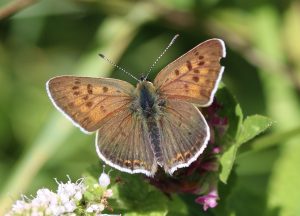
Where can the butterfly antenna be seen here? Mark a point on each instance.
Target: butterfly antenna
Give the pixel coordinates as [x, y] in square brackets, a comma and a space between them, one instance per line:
[117, 66]
[170, 44]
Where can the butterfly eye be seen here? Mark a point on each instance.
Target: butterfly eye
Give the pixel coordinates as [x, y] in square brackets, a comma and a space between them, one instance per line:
[143, 78]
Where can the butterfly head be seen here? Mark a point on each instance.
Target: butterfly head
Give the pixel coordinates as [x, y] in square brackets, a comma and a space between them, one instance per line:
[145, 84]
[144, 78]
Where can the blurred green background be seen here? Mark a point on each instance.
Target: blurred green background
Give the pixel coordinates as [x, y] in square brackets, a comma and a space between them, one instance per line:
[58, 37]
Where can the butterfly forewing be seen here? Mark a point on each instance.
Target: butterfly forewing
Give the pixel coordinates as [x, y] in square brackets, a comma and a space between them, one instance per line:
[194, 76]
[184, 134]
[86, 101]
[123, 142]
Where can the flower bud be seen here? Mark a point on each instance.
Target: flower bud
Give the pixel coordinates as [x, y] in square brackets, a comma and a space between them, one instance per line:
[104, 179]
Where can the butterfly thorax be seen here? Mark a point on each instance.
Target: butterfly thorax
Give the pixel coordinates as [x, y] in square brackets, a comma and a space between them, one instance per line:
[147, 99]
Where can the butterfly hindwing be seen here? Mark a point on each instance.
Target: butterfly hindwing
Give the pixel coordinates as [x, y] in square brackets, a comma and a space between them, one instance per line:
[86, 101]
[184, 134]
[123, 142]
[194, 76]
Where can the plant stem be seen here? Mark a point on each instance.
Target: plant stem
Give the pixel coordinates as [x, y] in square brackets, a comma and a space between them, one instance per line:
[14, 7]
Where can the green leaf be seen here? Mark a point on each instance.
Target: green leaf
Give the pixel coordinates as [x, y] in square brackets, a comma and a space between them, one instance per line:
[136, 196]
[146, 214]
[239, 131]
[252, 126]
[177, 207]
[227, 161]
[233, 113]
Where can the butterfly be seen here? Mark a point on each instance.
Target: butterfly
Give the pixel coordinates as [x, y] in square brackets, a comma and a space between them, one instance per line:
[153, 124]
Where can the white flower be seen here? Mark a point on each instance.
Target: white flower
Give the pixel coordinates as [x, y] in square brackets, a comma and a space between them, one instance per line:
[63, 197]
[46, 202]
[104, 180]
[70, 190]
[55, 210]
[70, 206]
[78, 195]
[69, 193]
[95, 208]
[20, 206]
[44, 197]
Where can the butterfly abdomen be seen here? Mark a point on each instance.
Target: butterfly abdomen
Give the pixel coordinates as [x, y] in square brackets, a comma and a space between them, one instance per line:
[155, 139]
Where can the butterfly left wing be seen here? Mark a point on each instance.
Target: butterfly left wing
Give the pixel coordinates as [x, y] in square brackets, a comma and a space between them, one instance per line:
[184, 134]
[122, 142]
[86, 101]
[193, 77]
[104, 104]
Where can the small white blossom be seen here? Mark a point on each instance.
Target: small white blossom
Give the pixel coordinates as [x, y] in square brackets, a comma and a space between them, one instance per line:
[64, 198]
[20, 206]
[95, 208]
[70, 206]
[56, 210]
[69, 189]
[47, 202]
[44, 197]
[104, 180]
[78, 195]
[64, 201]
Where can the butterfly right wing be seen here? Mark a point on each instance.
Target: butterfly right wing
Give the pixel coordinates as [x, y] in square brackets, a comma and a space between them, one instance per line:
[122, 142]
[184, 134]
[194, 76]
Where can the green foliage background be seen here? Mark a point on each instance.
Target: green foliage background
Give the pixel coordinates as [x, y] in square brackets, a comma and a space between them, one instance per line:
[56, 37]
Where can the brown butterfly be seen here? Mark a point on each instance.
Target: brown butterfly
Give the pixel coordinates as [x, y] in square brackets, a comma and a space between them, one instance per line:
[153, 124]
